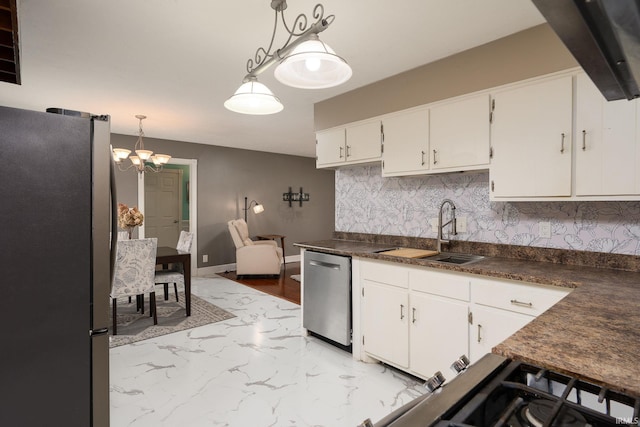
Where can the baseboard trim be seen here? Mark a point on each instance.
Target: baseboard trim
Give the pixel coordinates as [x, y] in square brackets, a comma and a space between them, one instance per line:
[222, 268]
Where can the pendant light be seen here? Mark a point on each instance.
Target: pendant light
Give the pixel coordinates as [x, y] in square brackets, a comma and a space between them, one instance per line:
[304, 62]
[252, 97]
[313, 65]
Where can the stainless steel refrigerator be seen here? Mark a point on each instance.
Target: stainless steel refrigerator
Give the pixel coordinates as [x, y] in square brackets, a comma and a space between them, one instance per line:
[55, 221]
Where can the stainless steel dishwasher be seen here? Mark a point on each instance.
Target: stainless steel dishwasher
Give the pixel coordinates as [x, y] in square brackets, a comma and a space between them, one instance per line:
[326, 302]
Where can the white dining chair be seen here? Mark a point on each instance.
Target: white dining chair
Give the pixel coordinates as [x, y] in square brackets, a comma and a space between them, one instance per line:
[134, 273]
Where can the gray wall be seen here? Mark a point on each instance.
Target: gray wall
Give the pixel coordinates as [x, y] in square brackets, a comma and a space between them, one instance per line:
[226, 176]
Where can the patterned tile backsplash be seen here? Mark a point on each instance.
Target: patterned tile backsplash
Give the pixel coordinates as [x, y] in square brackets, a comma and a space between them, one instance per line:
[404, 206]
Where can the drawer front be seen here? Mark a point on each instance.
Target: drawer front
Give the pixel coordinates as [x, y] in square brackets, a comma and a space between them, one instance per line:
[450, 285]
[385, 272]
[514, 296]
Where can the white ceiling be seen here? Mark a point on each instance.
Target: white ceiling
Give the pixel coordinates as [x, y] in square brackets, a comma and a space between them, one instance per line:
[176, 61]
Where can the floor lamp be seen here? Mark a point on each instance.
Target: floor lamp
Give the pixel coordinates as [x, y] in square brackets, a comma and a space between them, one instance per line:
[258, 208]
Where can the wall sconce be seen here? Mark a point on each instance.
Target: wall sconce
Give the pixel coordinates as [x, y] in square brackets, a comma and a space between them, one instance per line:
[258, 208]
[295, 197]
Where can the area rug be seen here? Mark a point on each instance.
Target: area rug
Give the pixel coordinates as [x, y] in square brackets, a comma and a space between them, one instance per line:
[134, 327]
[295, 277]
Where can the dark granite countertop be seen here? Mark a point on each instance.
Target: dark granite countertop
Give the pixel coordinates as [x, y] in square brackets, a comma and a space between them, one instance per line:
[593, 333]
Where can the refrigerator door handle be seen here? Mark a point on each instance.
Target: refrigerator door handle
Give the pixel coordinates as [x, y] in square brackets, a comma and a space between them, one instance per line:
[114, 214]
[96, 332]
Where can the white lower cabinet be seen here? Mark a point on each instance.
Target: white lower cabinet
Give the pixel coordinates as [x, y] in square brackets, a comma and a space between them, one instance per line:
[414, 318]
[386, 317]
[490, 326]
[422, 319]
[501, 307]
[438, 334]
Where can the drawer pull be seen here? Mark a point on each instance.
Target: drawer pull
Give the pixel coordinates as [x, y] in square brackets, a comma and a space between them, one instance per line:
[479, 337]
[521, 304]
[413, 314]
[401, 311]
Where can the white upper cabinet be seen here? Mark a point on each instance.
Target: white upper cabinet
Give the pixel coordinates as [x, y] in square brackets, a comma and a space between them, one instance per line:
[459, 134]
[406, 143]
[355, 143]
[364, 142]
[531, 140]
[607, 143]
[330, 147]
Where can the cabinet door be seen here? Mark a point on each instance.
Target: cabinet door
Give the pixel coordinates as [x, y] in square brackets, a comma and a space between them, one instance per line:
[386, 323]
[607, 145]
[406, 143]
[531, 140]
[490, 326]
[364, 142]
[439, 334]
[459, 133]
[330, 147]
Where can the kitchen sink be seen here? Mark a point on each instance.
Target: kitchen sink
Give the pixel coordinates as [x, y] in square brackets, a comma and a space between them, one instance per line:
[455, 258]
[443, 257]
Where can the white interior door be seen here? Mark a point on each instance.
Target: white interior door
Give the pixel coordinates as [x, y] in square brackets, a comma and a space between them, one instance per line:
[163, 206]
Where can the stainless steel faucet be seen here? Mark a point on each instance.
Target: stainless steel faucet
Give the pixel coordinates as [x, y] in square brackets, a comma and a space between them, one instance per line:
[452, 221]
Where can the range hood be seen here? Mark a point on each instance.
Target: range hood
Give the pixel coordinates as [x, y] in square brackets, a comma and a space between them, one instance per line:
[604, 37]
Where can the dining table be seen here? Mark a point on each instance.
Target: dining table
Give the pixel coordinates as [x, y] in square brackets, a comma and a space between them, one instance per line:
[168, 255]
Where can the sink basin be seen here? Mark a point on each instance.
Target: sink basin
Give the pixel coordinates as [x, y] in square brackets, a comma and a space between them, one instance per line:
[443, 257]
[455, 258]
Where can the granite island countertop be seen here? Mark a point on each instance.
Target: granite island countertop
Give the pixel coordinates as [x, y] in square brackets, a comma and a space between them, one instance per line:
[593, 333]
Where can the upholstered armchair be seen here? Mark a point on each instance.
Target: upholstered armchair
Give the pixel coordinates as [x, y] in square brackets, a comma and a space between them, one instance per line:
[260, 257]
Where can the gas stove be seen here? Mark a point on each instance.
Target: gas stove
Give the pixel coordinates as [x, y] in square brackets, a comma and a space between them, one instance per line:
[497, 391]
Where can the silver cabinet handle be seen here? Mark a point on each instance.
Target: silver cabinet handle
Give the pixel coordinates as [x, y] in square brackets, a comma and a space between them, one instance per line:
[423, 153]
[413, 313]
[584, 140]
[562, 143]
[479, 337]
[401, 311]
[341, 149]
[521, 304]
[348, 151]
[435, 159]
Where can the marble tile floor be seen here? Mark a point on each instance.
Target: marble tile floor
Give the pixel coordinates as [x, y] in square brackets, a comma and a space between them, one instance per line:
[253, 370]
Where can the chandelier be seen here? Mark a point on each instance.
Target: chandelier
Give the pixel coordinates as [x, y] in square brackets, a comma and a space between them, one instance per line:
[139, 161]
[304, 62]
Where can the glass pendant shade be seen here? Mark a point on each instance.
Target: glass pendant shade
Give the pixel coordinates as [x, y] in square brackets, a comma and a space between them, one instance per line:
[161, 159]
[313, 65]
[120, 153]
[252, 97]
[144, 154]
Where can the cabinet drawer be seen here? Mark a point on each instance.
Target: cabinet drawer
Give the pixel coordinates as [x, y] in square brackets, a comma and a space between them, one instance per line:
[450, 285]
[385, 272]
[519, 297]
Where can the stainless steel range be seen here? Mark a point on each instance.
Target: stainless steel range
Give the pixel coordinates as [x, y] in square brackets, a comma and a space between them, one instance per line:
[496, 391]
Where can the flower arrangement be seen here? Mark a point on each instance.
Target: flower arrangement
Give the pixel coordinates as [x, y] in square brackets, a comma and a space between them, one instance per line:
[128, 218]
